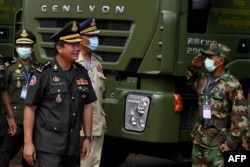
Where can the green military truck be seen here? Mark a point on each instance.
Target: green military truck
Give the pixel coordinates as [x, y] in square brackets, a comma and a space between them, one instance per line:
[146, 46]
[10, 22]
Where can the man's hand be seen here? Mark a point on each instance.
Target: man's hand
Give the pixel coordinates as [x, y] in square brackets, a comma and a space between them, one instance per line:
[224, 147]
[198, 61]
[12, 126]
[85, 151]
[29, 153]
[245, 145]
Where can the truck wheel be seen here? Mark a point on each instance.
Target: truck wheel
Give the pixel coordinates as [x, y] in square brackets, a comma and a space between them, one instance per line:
[113, 154]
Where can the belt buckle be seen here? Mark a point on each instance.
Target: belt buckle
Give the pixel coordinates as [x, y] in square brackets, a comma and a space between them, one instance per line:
[207, 122]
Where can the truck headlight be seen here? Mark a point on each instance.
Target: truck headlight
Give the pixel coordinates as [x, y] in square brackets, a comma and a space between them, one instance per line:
[136, 112]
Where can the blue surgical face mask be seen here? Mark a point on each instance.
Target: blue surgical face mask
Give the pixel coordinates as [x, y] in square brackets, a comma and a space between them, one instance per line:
[209, 65]
[93, 43]
[24, 52]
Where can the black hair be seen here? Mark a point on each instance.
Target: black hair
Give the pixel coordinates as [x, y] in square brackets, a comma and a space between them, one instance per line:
[60, 43]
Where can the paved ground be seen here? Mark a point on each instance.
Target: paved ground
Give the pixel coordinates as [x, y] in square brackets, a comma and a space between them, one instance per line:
[133, 160]
[139, 160]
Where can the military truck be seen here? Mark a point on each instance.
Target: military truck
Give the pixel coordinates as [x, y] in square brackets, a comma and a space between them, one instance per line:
[146, 47]
[10, 22]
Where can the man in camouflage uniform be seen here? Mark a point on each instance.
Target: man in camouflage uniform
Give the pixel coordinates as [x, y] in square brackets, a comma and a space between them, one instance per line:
[222, 107]
[246, 137]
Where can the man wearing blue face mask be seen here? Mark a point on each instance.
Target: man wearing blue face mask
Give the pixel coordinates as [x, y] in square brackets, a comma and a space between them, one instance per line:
[92, 62]
[18, 74]
[222, 107]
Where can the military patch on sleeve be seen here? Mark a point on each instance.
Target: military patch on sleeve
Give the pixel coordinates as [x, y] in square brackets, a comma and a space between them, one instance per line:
[33, 80]
[1, 67]
[99, 68]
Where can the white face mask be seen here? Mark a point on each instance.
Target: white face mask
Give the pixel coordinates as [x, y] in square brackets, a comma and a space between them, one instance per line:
[93, 43]
[24, 52]
[209, 65]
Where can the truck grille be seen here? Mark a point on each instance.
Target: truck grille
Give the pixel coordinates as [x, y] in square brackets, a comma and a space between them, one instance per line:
[112, 40]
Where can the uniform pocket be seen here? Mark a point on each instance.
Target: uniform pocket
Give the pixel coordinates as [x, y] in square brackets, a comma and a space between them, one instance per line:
[18, 77]
[217, 94]
[213, 137]
[58, 89]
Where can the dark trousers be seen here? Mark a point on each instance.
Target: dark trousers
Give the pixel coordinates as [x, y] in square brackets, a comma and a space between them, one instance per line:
[4, 154]
[49, 159]
[16, 144]
[4, 158]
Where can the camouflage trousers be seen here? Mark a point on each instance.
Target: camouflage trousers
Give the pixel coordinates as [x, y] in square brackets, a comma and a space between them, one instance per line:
[206, 157]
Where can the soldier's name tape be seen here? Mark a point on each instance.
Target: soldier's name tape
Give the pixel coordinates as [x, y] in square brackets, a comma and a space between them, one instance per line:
[236, 158]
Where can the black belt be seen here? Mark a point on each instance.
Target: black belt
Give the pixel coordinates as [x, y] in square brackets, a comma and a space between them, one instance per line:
[213, 122]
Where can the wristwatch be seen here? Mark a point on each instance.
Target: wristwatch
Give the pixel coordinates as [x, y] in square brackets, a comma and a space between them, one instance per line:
[88, 138]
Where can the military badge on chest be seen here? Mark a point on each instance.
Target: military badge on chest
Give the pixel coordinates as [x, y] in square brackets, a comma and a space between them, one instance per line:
[56, 81]
[18, 83]
[58, 98]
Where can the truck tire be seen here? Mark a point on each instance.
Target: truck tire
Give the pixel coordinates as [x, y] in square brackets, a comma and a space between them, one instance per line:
[113, 154]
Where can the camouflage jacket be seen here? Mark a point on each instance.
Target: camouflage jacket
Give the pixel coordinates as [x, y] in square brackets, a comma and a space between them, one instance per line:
[246, 137]
[228, 104]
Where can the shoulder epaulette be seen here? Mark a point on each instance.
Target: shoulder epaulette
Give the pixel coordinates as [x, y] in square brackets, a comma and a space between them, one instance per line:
[9, 63]
[43, 67]
[77, 64]
[37, 64]
[99, 58]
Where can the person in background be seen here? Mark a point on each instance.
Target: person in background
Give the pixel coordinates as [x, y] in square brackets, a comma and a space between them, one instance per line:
[58, 104]
[7, 119]
[222, 107]
[246, 137]
[92, 62]
[18, 74]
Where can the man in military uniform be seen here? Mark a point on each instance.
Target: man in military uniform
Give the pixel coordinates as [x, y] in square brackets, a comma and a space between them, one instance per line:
[18, 74]
[92, 62]
[246, 137]
[58, 104]
[222, 107]
[7, 127]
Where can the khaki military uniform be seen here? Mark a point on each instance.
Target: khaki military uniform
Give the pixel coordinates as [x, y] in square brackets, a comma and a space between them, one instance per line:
[228, 116]
[99, 123]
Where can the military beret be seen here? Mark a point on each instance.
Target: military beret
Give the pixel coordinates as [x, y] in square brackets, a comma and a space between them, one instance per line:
[24, 36]
[88, 27]
[217, 49]
[69, 33]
